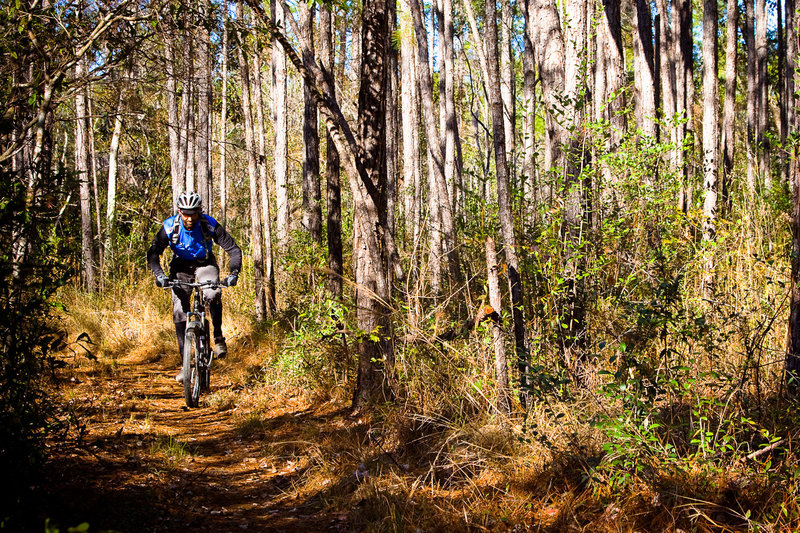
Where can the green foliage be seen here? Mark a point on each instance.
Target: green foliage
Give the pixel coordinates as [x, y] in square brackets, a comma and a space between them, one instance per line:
[28, 332]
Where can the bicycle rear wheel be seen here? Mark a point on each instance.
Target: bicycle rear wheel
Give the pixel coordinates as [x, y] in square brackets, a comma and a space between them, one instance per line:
[192, 378]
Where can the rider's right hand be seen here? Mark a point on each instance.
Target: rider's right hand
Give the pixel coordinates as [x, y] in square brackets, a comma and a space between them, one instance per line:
[161, 280]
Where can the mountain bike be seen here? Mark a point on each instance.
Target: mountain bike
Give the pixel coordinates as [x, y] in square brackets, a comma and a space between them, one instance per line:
[197, 354]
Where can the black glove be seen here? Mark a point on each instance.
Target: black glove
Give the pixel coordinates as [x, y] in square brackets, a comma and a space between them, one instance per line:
[231, 280]
[162, 280]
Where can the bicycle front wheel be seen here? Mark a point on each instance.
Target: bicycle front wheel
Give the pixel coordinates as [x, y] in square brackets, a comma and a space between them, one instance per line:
[191, 373]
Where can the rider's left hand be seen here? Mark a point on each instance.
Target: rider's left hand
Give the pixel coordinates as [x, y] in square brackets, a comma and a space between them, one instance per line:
[231, 280]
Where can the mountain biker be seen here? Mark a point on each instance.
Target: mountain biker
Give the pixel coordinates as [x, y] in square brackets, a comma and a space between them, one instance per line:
[191, 234]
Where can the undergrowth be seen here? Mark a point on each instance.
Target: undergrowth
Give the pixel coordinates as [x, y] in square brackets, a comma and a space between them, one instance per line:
[680, 422]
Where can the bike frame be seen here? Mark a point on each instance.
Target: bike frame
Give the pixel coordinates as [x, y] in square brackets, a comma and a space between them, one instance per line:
[196, 372]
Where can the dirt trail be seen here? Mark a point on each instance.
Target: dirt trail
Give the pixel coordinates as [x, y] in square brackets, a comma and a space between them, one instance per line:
[141, 461]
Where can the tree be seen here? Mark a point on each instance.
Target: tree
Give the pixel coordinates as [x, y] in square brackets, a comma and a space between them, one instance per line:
[728, 140]
[256, 235]
[82, 169]
[644, 69]
[710, 136]
[312, 209]
[334, 191]
[503, 190]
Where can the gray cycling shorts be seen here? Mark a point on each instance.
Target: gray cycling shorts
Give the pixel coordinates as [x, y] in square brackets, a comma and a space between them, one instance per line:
[181, 296]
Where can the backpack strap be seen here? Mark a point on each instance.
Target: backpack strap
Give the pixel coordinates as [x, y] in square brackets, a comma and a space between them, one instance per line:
[205, 227]
[176, 230]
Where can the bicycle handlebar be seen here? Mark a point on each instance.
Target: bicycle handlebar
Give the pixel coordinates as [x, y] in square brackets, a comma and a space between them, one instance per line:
[202, 284]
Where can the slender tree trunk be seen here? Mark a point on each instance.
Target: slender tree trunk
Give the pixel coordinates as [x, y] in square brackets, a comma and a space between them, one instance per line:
[609, 100]
[203, 106]
[281, 147]
[728, 141]
[334, 195]
[223, 126]
[410, 121]
[792, 364]
[95, 189]
[113, 169]
[528, 171]
[256, 237]
[752, 98]
[429, 119]
[667, 75]
[783, 97]
[643, 69]
[762, 107]
[312, 209]
[710, 137]
[684, 93]
[508, 86]
[266, 212]
[500, 363]
[174, 119]
[82, 169]
[504, 195]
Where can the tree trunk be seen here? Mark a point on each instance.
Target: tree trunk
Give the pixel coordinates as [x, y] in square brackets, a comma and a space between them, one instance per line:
[252, 170]
[508, 86]
[710, 137]
[528, 171]
[223, 127]
[203, 107]
[643, 69]
[792, 363]
[82, 170]
[312, 209]
[334, 194]
[281, 147]
[500, 363]
[504, 195]
[266, 212]
[752, 98]
[684, 92]
[113, 168]
[429, 119]
[173, 127]
[375, 355]
[762, 108]
[410, 123]
[728, 141]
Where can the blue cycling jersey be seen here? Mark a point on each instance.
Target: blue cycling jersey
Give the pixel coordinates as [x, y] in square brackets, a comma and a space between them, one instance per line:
[194, 244]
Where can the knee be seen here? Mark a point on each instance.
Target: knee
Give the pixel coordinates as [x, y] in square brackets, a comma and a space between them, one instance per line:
[212, 295]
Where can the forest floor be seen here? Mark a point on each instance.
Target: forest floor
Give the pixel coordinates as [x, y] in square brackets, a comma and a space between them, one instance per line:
[138, 460]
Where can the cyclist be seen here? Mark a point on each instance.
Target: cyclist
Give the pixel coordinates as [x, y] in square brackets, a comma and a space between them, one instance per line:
[191, 234]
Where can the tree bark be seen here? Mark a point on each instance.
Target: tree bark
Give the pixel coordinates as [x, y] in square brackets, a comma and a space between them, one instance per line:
[266, 212]
[332, 173]
[113, 168]
[710, 138]
[504, 195]
[256, 237]
[792, 362]
[500, 362]
[752, 98]
[281, 146]
[375, 353]
[223, 126]
[762, 108]
[644, 68]
[82, 169]
[312, 209]
[203, 106]
[429, 119]
[728, 140]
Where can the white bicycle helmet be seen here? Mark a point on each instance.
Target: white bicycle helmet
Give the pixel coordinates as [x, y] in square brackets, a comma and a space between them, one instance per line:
[189, 201]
